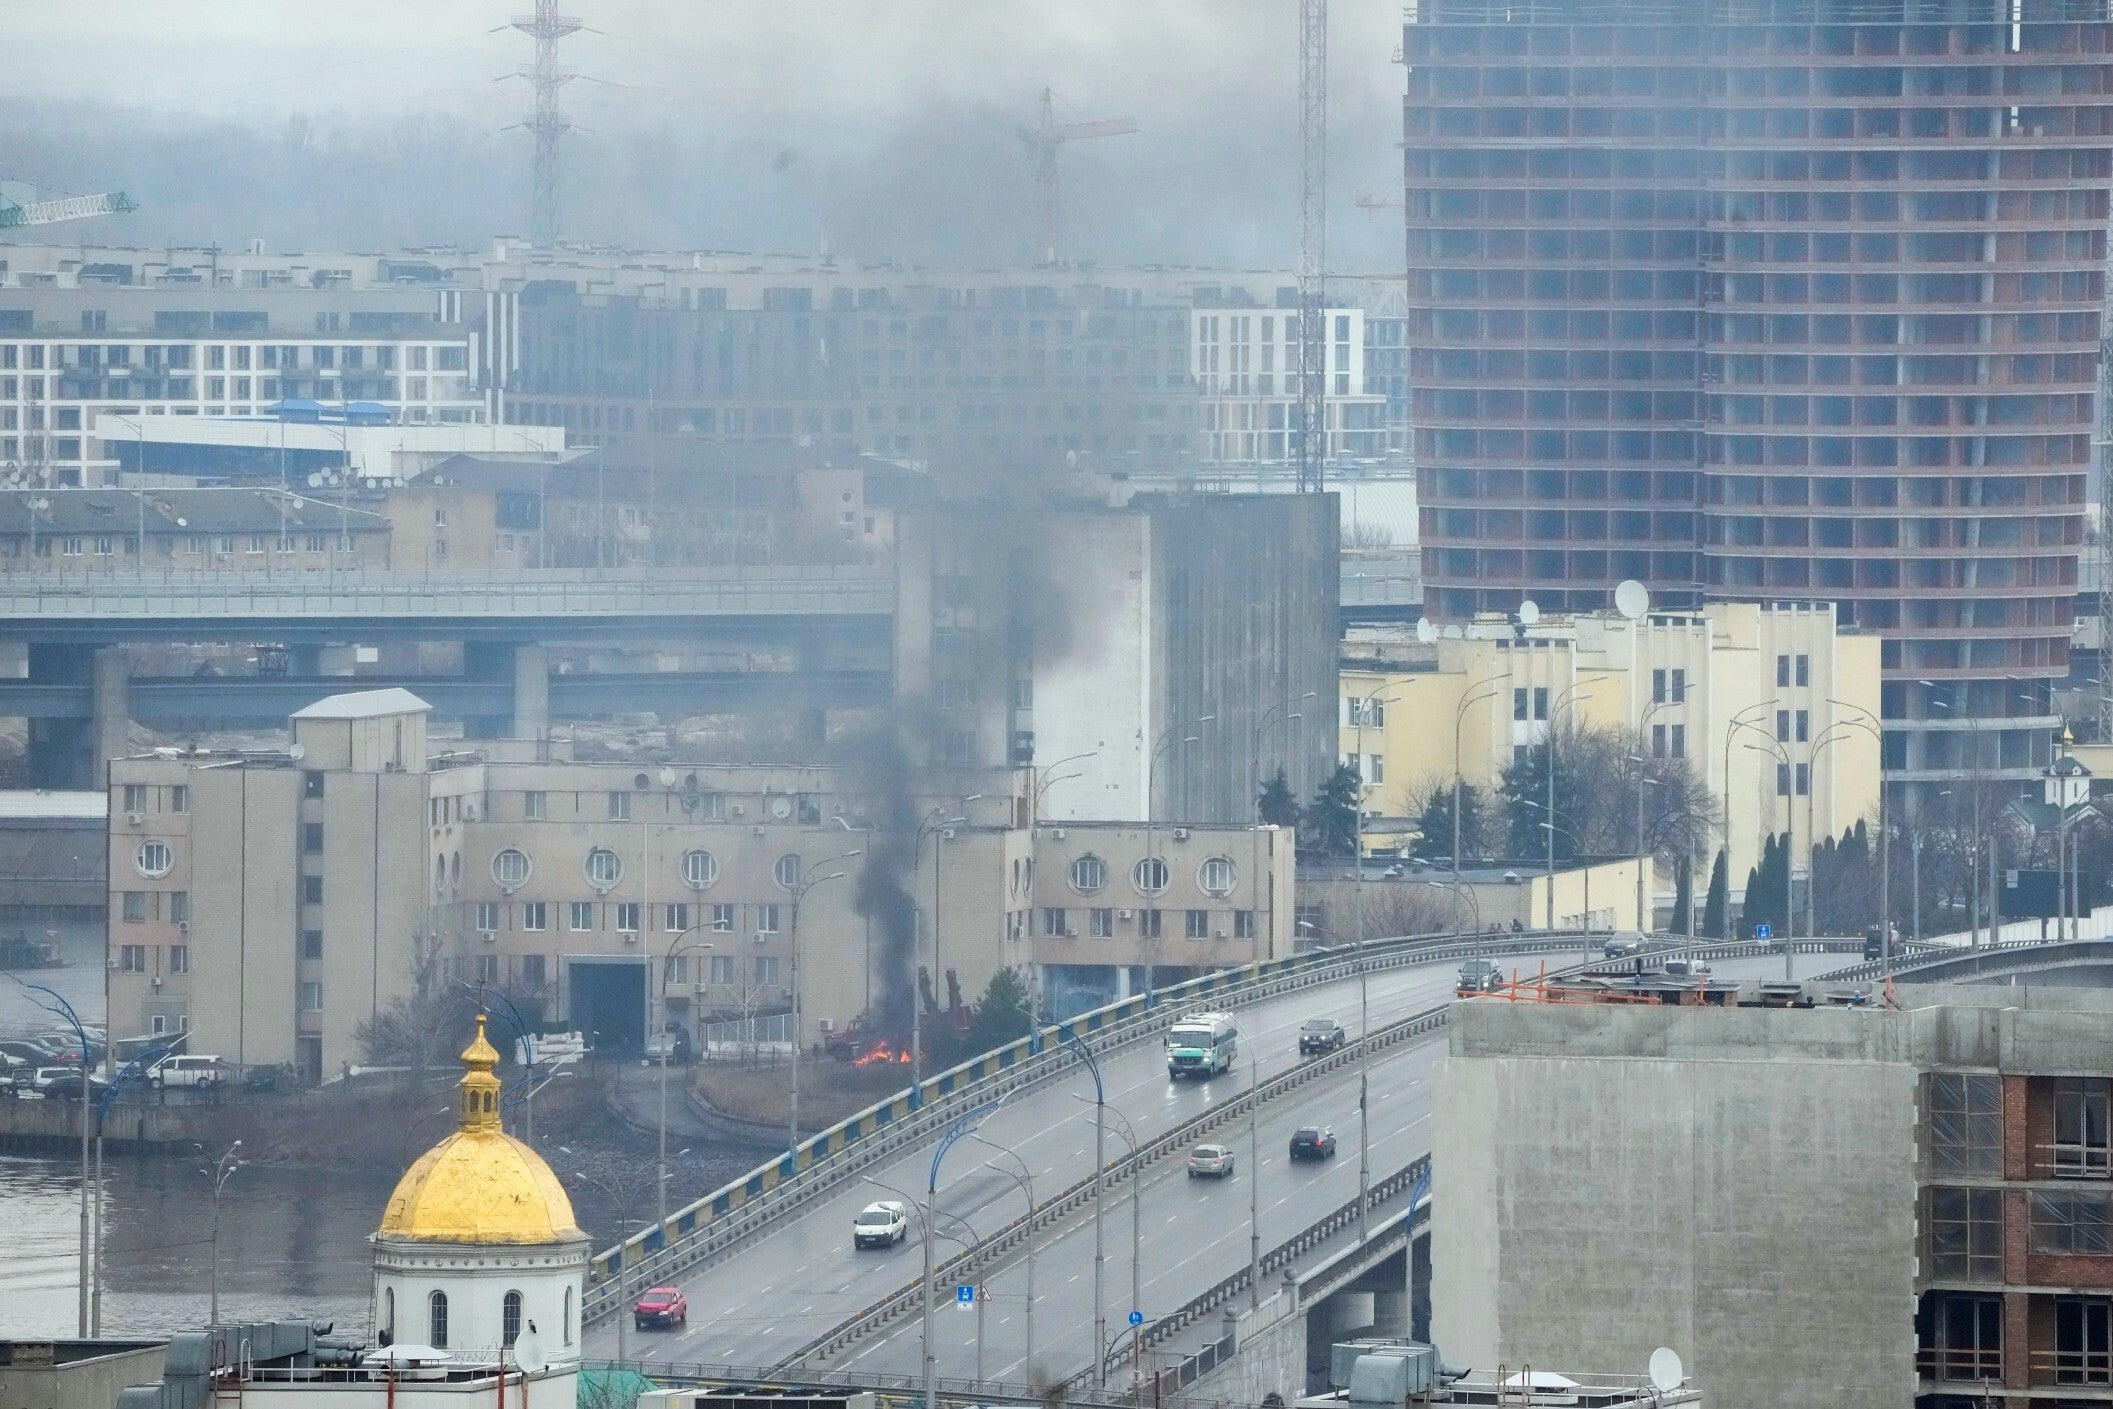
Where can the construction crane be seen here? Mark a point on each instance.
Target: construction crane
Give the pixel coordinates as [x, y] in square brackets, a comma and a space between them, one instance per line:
[1043, 141]
[1312, 425]
[16, 214]
[1373, 205]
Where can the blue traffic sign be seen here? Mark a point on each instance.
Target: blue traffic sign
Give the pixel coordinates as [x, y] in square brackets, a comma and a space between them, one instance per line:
[1764, 932]
[1137, 1318]
[964, 1294]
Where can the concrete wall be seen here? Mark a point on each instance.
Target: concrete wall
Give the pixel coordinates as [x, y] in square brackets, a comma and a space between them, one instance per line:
[86, 1375]
[1092, 684]
[1739, 1185]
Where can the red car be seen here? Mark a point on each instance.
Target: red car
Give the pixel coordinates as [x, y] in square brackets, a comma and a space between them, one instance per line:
[662, 1306]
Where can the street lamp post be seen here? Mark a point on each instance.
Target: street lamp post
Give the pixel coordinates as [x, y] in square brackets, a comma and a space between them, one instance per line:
[1270, 719]
[678, 945]
[1100, 1188]
[1863, 719]
[1832, 734]
[1360, 711]
[1462, 892]
[1731, 729]
[958, 1131]
[1254, 1181]
[1555, 715]
[806, 883]
[1025, 1179]
[57, 1006]
[1468, 699]
[1167, 740]
[1786, 785]
[219, 1174]
[935, 828]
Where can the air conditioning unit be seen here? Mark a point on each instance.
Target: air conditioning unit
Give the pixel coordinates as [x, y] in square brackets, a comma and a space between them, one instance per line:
[1122, 915]
[1219, 934]
[488, 936]
[762, 936]
[738, 810]
[824, 1025]
[631, 937]
[1056, 833]
[183, 926]
[1181, 834]
[156, 981]
[948, 834]
[135, 819]
[756, 831]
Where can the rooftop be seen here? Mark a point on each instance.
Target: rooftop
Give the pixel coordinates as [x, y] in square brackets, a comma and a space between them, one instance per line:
[365, 704]
[159, 512]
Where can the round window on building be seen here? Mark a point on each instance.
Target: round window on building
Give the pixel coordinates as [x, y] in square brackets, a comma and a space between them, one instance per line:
[604, 867]
[787, 871]
[700, 870]
[1216, 876]
[1088, 874]
[153, 858]
[510, 868]
[1150, 875]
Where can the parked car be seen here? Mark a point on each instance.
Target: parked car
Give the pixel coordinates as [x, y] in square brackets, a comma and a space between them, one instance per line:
[200, 1071]
[1313, 1142]
[662, 1306]
[1319, 1035]
[1214, 1161]
[64, 1083]
[880, 1225]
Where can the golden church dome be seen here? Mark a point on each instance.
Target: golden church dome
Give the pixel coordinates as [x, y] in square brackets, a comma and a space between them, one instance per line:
[480, 1185]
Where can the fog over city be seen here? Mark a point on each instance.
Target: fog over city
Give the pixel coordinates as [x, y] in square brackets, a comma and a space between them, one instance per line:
[874, 131]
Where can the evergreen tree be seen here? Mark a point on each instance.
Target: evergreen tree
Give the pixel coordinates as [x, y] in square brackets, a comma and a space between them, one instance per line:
[1001, 1014]
[1716, 906]
[1435, 821]
[1683, 894]
[1278, 808]
[1330, 824]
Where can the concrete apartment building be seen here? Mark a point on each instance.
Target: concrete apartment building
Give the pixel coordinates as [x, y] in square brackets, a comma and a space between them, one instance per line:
[1245, 362]
[1803, 687]
[1848, 1207]
[260, 530]
[269, 902]
[1765, 303]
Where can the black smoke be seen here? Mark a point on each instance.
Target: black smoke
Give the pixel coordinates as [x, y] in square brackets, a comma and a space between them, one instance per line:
[885, 876]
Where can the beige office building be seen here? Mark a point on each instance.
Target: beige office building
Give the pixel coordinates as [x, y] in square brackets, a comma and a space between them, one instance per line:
[270, 902]
[1785, 678]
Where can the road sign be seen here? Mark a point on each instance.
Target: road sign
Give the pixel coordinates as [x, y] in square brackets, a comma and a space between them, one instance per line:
[1137, 1318]
[964, 1295]
[1764, 932]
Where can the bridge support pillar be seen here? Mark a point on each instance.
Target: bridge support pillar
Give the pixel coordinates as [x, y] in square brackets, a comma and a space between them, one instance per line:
[1390, 1313]
[531, 691]
[112, 695]
[70, 753]
[305, 661]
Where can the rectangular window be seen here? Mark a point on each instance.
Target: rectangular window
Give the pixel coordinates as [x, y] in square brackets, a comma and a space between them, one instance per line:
[1965, 1123]
[579, 916]
[135, 797]
[487, 968]
[311, 997]
[1782, 670]
[1804, 779]
[488, 917]
[1679, 741]
[1100, 922]
[1197, 925]
[619, 807]
[1518, 704]
[724, 919]
[1803, 726]
[1243, 924]
[1804, 670]
[311, 837]
[135, 910]
[179, 958]
[722, 968]
[675, 969]
[1782, 726]
[1679, 686]
[1782, 780]
[1540, 702]
[312, 785]
[1966, 1234]
[2080, 1128]
[2073, 1223]
[532, 971]
[535, 915]
[180, 798]
[132, 958]
[1657, 687]
[180, 907]
[766, 968]
[675, 918]
[311, 890]
[532, 806]
[627, 917]
[1657, 741]
[1148, 924]
[1375, 769]
[1055, 923]
[1961, 1337]
[766, 919]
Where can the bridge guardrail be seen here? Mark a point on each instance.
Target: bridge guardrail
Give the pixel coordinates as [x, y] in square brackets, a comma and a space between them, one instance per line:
[726, 1218]
[1987, 955]
[1079, 1194]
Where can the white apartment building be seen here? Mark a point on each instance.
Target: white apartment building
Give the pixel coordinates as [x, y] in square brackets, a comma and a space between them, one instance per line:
[1245, 362]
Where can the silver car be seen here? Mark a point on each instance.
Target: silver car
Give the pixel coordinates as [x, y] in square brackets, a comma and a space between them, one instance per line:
[1214, 1161]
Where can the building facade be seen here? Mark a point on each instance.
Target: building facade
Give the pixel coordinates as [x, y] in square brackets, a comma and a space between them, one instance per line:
[1931, 1179]
[1788, 679]
[1769, 304]
[268, 903]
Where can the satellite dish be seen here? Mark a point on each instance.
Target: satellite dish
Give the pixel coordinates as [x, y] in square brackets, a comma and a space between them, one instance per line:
[1666, 1372]
[667, 777]
[1632, 599]
[1454, 633]
[1529, 612]
[529, 1355]
[297, 752]
[1426, 630]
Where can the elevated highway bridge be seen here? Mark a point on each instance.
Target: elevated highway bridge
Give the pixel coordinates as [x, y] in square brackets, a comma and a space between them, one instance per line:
[789, 1293]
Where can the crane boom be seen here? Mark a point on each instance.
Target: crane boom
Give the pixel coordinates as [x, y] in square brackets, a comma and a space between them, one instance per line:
[66, 208]
[1043, 141]
[1112, 127]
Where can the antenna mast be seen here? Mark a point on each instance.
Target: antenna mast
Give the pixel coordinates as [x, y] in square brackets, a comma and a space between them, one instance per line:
[546, 123]
[1312, 425]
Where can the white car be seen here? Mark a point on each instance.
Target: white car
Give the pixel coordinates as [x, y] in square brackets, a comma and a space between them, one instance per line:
[189, 1071]
[880, 1225]
[1210, 1162]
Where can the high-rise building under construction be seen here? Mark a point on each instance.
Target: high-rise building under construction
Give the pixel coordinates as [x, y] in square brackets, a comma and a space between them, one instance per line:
[1770, 299]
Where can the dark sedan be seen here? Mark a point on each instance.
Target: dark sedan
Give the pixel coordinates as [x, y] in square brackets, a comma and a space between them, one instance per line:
[1312, 1142]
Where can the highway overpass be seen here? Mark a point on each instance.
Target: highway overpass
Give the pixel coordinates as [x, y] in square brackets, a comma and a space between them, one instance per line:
[775, 1296]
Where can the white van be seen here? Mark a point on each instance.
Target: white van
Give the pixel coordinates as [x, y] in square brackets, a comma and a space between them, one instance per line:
[189, 1071]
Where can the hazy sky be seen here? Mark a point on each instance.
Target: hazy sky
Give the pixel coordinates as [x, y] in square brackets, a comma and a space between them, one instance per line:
[886, 130]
